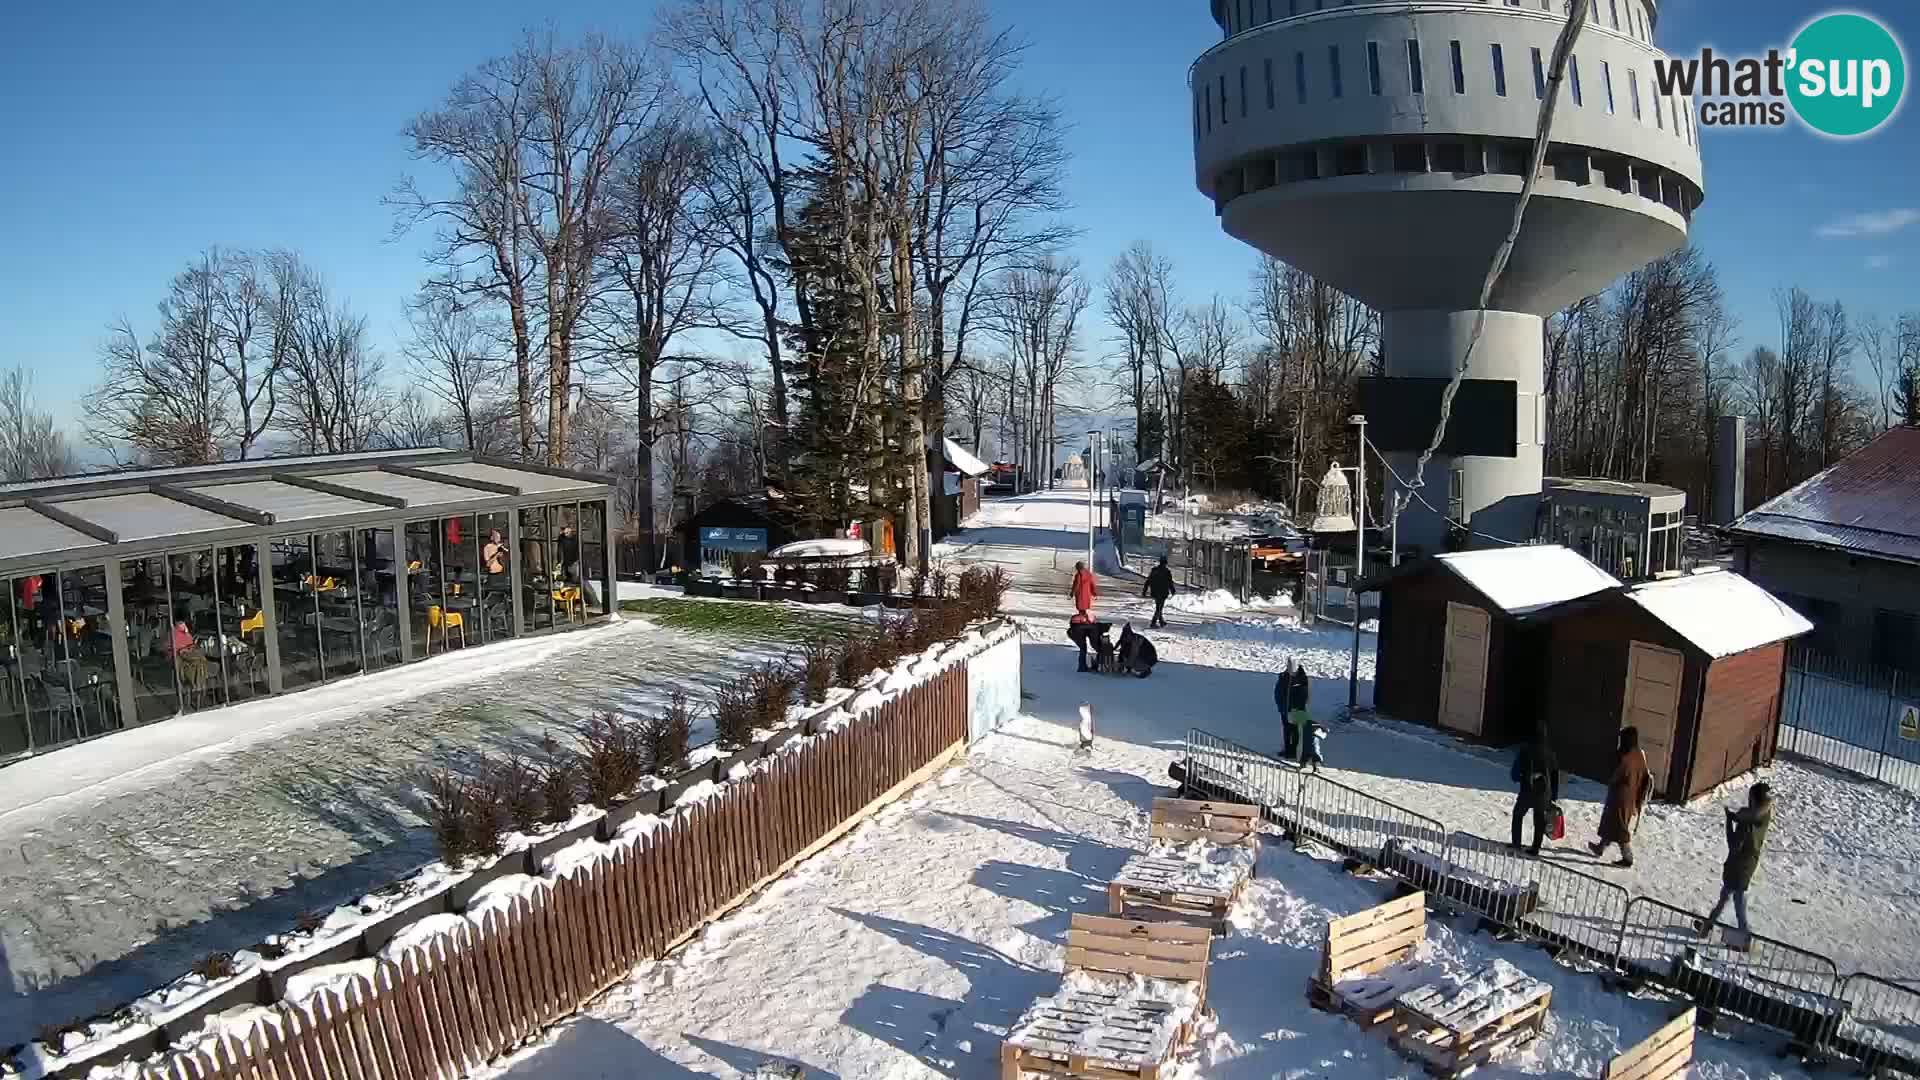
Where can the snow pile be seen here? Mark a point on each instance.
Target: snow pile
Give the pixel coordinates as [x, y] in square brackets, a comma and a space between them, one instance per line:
[424, 933]
[1720, 611]
[500, 893]
[1220, 601]
[1523, 579]
[334, 977]
[1128, 1020]
[1231, 861]
[1380, 989]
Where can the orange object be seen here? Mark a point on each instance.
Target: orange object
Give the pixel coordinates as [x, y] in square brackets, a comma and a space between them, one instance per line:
[1083, 590]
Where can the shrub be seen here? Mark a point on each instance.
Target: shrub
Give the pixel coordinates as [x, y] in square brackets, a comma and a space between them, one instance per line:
[214, 966]
[854, 659]
[880, 578]
[664, 737]
[559, 790]
[309, 921]
[816, 670]
[790, 572]
[940, 581]
[917, 581]
[270, 950]
[517, 787]
[773, 690]
[615, 758]
[983, 589]
[734, 711]
[889, 640]
[465, 815]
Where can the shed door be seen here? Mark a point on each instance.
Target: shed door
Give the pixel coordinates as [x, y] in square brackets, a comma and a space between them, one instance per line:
[1463, 679]
[1653, 703]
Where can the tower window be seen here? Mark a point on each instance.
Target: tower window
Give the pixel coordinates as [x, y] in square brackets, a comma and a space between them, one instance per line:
[1267, 65]
[1659, 109]
[1606, 77]
[1243, 91]
[1373, 67]
[1539, 76]
[1499, 72]
[1300, 76]
[1223, 99]
[1333, 65]
[1633, 91]
[1459, 72]
[1413, 68]
[1573, 71]
[1293, 7]
[1409, 157]
[1613, 8]
[1350, 159]
[1208, 95]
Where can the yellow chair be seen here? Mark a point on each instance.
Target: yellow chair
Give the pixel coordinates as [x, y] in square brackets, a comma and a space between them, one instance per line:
[444, 621]
[255, 621]
[568, 596]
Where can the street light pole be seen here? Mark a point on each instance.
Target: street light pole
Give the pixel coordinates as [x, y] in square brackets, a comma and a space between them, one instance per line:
[1093, 443]
[1359, 423]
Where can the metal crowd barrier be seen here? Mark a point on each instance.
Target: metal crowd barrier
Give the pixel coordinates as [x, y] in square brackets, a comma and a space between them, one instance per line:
[1538, 898]
[1371, 829]
[1238, 770]
[1879, 1024]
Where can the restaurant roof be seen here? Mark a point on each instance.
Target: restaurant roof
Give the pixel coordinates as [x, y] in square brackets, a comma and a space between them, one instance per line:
[1867, 502]
[74, 519]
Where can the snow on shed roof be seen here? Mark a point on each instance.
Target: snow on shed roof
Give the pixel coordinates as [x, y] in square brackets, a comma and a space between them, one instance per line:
[958, 457]
[1719, 611]
[1523, 579]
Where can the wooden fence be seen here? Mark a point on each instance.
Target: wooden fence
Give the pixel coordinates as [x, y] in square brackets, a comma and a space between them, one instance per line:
[450, 1006]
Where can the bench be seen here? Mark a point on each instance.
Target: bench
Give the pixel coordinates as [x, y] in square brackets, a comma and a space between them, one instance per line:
[1130, 994]
[1368, 960]
[1455, 1025]
[1200, 857]
[1664, 1055]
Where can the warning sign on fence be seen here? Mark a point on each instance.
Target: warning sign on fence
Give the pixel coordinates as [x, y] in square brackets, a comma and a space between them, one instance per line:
[1910, 722]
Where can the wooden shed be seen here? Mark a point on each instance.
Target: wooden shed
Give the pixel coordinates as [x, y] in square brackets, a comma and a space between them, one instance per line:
[1697, 663]
[1457, 648]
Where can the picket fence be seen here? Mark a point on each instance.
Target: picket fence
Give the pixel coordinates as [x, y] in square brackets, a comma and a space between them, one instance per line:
[452, 1005]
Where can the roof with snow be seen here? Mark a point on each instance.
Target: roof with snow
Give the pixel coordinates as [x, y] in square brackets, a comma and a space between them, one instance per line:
[1868, 502]
[957, 456]
[1719, 611]
[1523, 579]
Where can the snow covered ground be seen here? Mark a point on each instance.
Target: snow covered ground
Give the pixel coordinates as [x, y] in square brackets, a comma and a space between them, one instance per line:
[125, 861]
[908, 949]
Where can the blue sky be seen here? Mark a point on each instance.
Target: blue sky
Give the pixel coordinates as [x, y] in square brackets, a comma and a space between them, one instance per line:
[142, 133]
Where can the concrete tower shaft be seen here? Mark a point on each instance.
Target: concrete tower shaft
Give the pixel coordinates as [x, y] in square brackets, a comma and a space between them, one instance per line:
[1381, 147]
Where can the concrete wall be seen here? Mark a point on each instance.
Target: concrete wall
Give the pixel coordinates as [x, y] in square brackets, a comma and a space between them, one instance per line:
[993, 687]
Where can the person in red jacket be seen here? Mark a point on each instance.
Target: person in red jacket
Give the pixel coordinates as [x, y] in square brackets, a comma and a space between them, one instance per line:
[1083, 590]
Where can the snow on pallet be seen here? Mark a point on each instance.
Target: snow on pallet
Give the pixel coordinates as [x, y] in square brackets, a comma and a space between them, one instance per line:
[1201, 859]
[1180, 821]
[1367, 962]
[1129, 998]
[1664, 1055]
[1460, 1023]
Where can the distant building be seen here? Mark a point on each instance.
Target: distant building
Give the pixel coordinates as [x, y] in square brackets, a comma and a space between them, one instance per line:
[745, 524]
[1632, 531]
[1843, 549]
[959, 493]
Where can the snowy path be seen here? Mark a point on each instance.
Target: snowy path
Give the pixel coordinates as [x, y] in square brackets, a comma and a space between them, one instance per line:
[125, 883]
[1036, 538]
[907, 949]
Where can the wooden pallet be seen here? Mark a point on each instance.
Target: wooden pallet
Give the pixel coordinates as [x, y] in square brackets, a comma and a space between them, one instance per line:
[1137, 1037]
[1156, 888]
[1664, 1055]
[1450, 1032]
[1182, 821]
[1363, 944]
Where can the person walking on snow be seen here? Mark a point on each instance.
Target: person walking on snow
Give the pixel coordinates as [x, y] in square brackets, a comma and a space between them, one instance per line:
[1083, 590]
[1297, 695]
[1159, 586]
[1746, 837]
[1538, 774]
[1283, 704]
[1627, 795]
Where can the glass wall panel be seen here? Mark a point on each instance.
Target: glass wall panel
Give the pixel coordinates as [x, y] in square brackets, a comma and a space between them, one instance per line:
[563, 524]
[240, 645]
[144, 594]
[496, 578]
[337, 601]
[89, 634]
[423, 579]
[379, 601]
[53, 708]
[459, 619]
[593, 557]
[193, 639]
[15, 654]
[296, 610]
[536, 569]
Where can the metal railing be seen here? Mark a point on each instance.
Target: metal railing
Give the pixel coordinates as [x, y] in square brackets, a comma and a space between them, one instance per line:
[1768, 982]
[1849, 714]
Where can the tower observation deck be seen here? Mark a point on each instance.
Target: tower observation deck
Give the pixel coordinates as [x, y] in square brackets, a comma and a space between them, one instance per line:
[1381, 148]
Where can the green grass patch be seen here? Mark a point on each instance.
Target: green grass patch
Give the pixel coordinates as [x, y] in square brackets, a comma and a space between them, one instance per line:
[758, 622]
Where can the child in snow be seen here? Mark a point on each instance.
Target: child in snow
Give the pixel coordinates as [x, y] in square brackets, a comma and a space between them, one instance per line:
[1297, 695]
[1310, 751]
[1746, 836]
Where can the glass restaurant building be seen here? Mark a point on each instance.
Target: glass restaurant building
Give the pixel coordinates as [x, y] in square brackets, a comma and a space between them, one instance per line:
[130, 597]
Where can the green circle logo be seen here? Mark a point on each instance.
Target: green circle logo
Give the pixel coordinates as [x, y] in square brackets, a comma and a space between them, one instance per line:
[1846, 75]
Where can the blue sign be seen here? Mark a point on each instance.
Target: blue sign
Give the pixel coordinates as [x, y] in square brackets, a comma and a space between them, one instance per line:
[734, 539]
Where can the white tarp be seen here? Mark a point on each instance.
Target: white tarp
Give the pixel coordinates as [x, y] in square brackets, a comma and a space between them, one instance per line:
[1720, 611]
[1523, 579]
[958, 457]
[822, 548]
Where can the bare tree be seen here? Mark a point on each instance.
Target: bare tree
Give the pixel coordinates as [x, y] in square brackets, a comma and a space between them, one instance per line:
[451, 353]
[32, 446]
[1139, 305]
[413, 421]
[242, 302]
[1878, 343]
[332, 395]
[164, 403]
[1761, 387]
[1038, 314]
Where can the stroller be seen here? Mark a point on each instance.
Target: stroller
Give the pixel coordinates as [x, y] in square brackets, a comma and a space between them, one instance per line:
[1083, 634]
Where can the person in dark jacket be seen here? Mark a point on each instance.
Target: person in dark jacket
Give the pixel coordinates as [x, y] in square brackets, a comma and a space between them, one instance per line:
[1537, 772]
[1137, 654]
[1282, 698]
[1747, 830]
[1627, 794]
[1159, 586]
[1297, 693]
[1083, 631]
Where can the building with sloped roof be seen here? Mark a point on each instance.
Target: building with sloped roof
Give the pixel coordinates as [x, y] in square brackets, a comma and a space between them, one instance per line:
[130, 597]
[1843, 549]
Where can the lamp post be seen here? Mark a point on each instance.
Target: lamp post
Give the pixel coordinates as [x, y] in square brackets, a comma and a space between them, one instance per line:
[1359, 423]
[1093, 445]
